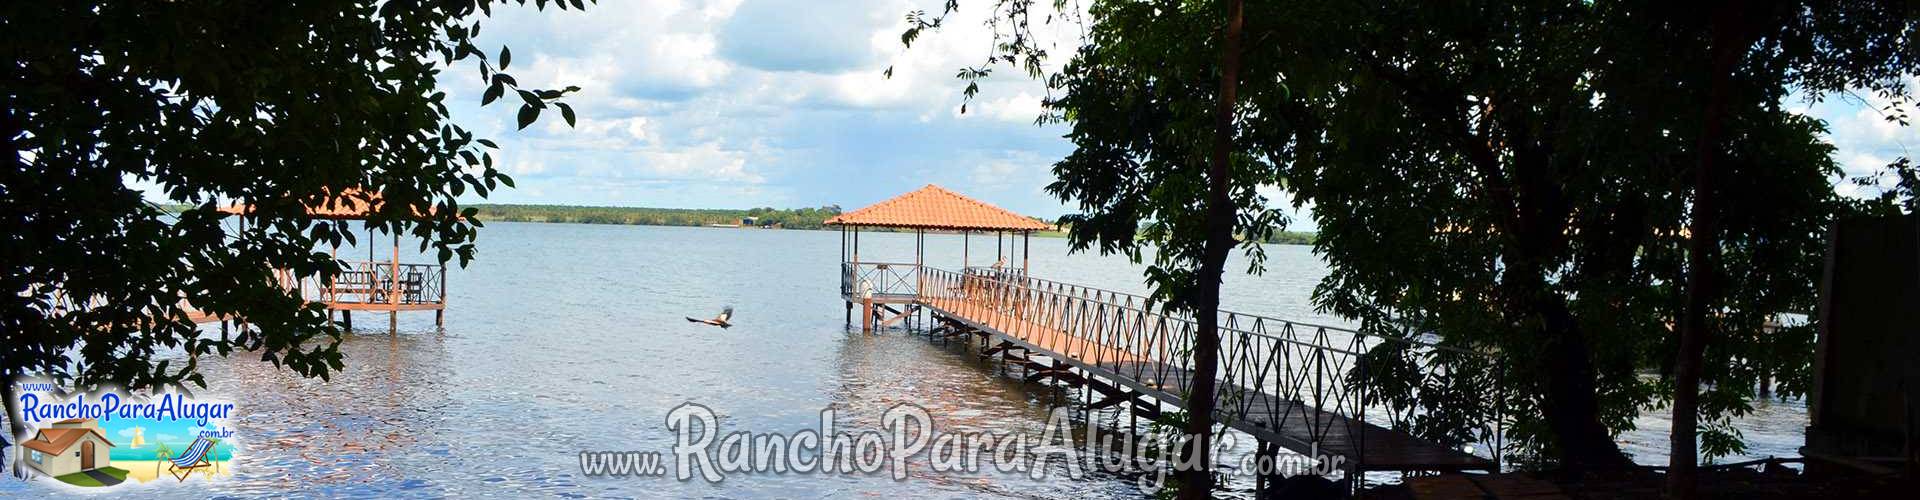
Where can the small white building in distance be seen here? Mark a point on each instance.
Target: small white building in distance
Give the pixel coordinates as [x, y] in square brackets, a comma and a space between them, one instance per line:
[66, 447]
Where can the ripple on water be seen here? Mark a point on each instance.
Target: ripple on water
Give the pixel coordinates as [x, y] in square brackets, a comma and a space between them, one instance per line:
[564, 338]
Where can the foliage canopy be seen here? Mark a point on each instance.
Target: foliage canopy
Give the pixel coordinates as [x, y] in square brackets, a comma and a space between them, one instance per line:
[1514, 177]
[280, 105]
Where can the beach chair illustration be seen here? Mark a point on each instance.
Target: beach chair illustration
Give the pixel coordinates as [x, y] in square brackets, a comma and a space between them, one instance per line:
[194, 458]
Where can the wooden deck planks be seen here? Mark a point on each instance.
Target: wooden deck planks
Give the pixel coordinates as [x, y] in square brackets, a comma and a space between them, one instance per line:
[1292, 424]
[1038, 334]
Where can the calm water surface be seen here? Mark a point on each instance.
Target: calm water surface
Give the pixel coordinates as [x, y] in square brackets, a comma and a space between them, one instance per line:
[565, 337]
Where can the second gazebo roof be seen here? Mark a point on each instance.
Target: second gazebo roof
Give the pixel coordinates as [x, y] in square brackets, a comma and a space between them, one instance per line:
[934, 207]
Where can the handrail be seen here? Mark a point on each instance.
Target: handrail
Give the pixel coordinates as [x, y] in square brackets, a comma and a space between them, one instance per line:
[1147, 299]
[883, 278]
[1265, 363]
[1222, 326]
[378, 282]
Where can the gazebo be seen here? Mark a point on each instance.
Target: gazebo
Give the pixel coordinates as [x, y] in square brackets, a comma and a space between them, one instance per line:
[369, 285]
[881, 286]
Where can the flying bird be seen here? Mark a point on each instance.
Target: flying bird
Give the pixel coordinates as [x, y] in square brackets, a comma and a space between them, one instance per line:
[719, 321]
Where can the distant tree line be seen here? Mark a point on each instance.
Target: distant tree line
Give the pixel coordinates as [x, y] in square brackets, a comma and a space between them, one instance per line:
[1289, 238]
[800, 218]
[1271, 238]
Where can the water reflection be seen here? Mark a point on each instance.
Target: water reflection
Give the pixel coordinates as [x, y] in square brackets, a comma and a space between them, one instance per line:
[362, 429]
[563, 338]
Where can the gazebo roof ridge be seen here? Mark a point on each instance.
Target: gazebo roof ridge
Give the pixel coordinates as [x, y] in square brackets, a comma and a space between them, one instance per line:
[353, 203]
[935, 207]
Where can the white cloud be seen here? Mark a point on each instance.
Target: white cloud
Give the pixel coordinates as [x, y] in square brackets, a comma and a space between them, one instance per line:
[815, 36]
[704, 162]
[994, 173]
[1864, 139]
[637, 129]
[1021, 108]
[725, 101]
[601, 133]
[525, 168]
[644, 49]
[1857, 164]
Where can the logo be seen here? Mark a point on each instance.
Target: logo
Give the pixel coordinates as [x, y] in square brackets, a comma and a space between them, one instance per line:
[109, 438]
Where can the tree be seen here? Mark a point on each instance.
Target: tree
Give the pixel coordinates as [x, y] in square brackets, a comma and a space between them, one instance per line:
[280, 105]
[1817, 46]
[1525, 179]
[1516, 178]
[1152, 101]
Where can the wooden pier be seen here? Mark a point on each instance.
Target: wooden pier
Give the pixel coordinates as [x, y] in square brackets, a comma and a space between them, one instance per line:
[1290, 385]
[370, 285]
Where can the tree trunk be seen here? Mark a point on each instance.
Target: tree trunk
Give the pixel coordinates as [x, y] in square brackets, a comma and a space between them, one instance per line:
[1571, 403]
[14, 426]
[1197, 483]
[1572, 406]
[1703, 248]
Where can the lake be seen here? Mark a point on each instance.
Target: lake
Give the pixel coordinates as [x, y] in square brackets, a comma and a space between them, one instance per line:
[566, 337]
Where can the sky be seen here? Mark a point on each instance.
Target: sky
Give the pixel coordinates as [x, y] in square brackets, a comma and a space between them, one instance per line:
[739, 104]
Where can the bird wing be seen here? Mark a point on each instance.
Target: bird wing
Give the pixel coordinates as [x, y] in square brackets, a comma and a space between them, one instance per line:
[725, 314]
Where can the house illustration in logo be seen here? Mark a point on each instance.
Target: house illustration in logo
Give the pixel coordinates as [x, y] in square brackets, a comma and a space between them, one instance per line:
[66, 447]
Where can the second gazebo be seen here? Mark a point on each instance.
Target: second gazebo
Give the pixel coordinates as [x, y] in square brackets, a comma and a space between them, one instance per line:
[388, 286]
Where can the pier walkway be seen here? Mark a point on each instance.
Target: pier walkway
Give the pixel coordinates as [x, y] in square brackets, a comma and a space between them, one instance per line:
[1298, 386]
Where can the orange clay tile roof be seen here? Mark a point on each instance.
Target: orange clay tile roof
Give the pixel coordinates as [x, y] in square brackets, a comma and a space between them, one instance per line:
[934, 207]
[353, 203]
[56, 441]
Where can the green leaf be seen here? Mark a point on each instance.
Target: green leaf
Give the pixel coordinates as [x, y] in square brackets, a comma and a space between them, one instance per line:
[565, 112]
[493, 92]
[506, 57]
[527, 115]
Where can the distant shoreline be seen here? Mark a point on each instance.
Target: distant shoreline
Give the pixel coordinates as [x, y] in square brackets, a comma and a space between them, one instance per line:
[719, 218]
[712, 218]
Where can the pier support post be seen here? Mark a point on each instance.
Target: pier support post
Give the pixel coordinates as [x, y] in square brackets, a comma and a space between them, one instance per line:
[1265, 454]
[393, 322]
[348, 315]
[866, 315]
[440, 318]
[1133, 419]
[849, 313]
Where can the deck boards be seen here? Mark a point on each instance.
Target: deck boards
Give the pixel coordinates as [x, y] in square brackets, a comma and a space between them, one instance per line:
[1291, 424]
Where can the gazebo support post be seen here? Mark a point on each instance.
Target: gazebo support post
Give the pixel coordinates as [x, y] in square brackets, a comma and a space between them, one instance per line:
[846, 287]
[919, 259]
[440, 315]
[393, 288]
[860, 287]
